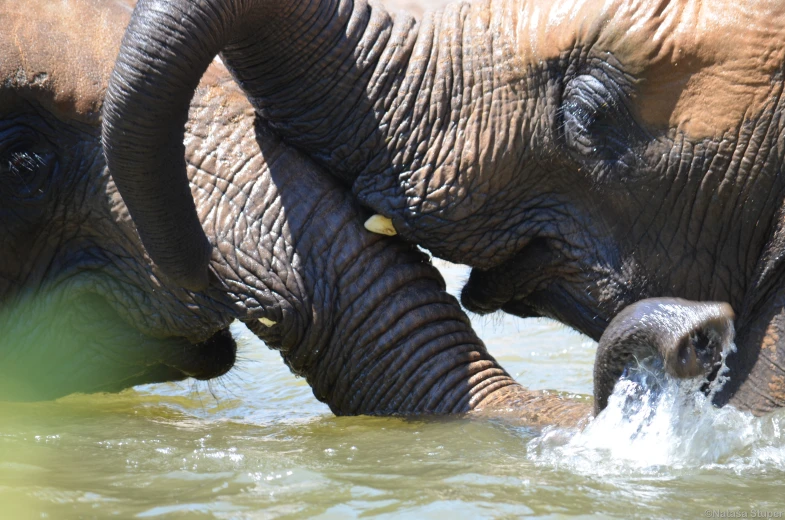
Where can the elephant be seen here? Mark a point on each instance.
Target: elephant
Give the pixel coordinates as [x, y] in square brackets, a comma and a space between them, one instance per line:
[689, 339]
[579, 155]
[364, 318]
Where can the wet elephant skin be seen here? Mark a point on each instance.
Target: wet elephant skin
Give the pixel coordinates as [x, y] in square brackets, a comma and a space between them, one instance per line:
[580, 155]
[362, 317]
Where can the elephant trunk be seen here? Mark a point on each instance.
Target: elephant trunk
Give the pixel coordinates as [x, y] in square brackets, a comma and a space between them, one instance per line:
[396, 109]
[145, 111]
[689, 337]
[363, 317]
[395, 342]
[167, 47]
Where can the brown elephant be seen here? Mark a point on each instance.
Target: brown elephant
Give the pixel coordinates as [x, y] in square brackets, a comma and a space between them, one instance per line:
[580, 155]
[364, 318]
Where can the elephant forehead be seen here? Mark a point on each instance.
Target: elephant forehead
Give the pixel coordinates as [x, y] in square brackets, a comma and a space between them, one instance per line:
[61, 52]
[699, 67]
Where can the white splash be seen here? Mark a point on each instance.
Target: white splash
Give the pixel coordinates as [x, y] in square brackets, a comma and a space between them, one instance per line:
[653, 422]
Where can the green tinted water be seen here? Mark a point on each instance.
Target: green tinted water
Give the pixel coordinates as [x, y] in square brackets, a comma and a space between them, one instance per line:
[258, 445]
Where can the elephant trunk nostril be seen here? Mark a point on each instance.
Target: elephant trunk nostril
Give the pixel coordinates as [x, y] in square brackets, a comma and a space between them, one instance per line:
[691, 338]
[697, 354]
[688, 361]
[708, 348]
[700, 352]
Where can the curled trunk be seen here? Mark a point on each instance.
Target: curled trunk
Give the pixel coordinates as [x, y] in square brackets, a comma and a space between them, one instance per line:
[373, 98]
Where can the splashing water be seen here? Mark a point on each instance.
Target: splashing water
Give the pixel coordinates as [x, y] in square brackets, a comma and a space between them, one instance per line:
[654, 421]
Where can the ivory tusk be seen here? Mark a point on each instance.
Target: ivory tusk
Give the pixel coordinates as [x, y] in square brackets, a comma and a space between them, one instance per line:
[380, 225]
[266, 322]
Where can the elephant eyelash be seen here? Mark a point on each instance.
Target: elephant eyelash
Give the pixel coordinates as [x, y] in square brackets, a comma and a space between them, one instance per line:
[20, 163]
[597, 125]
[26, 174]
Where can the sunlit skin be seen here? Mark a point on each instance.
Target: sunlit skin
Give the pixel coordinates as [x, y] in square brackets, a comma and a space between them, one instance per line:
[581, 155]
[362, 316]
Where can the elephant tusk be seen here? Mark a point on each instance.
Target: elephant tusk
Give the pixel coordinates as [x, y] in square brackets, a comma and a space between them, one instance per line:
[380, 225]
[266, 322]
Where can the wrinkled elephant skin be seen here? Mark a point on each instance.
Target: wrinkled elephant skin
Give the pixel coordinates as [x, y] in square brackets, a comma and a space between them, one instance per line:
[363, 317]
[581, 155]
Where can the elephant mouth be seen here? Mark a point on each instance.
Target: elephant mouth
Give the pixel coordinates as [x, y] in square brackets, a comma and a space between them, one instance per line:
[182, 359]
[540, 300]
[88, 345]
[207, 359]
[506, 286]
[164, 355]
[535, 283]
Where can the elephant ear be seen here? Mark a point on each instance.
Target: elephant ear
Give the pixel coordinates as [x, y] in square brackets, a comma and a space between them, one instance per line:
[59, 55]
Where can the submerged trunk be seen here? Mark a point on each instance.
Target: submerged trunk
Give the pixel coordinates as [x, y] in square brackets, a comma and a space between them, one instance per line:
[364, 318]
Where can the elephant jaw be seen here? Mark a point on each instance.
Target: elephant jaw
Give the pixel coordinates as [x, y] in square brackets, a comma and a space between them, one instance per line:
[207, 359]
[71, 337]
[182, 359]
[539, 281]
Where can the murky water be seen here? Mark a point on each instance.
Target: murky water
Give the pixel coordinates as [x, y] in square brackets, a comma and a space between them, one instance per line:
[258, 445]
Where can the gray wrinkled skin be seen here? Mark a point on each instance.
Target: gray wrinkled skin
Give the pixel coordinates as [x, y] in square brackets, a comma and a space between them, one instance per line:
[581, 155]
[364, 318]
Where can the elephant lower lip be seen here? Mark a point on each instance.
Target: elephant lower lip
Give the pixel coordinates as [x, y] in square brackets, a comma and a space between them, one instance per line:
[476, 297]
[480, 307]
[154, 374]
[208, 359]
[520, 309]
[505, 286]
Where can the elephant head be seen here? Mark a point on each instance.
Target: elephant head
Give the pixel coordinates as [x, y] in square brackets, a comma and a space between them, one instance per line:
[581, 155]
[363, 318]
[79, 309]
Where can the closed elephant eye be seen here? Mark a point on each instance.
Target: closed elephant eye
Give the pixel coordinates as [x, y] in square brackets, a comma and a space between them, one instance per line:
[596, 123]
[26, 172]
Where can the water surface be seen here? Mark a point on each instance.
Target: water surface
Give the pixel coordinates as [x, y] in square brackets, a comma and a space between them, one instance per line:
[258, 445]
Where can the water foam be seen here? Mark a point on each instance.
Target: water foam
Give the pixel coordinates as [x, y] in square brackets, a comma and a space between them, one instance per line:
[653, 422]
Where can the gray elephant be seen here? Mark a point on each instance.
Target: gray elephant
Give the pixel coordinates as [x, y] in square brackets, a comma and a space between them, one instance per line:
[580, 155]
[364, 318]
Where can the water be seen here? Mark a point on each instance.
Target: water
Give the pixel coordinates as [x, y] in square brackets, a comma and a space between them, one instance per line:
[258, 445]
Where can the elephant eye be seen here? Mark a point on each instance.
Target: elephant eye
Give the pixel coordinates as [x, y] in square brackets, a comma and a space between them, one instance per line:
[26, 172]
[596, 123]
